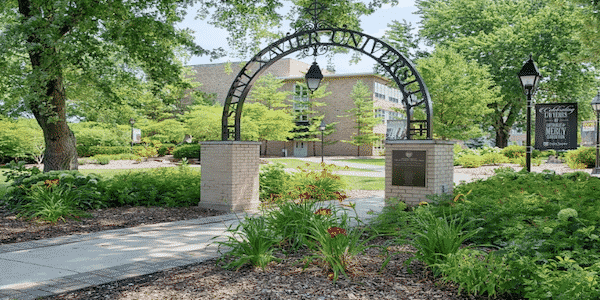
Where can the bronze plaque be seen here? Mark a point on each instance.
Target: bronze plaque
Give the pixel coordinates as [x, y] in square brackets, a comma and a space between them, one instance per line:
[408, 168]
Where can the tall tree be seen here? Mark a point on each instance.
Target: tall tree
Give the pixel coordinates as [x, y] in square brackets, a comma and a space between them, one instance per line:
[501, 35]
[363, 113]
[58, 36]
[460, 91]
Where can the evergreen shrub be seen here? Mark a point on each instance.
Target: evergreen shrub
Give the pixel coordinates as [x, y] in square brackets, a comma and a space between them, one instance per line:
[187, 151]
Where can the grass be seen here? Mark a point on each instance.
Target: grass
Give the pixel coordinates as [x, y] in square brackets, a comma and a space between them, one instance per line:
[368, 161]
[365, 183]
[294, 163]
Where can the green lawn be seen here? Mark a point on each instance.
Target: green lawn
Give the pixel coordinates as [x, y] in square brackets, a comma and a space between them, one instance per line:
[365, 183]
[294, 163]
[368, 161]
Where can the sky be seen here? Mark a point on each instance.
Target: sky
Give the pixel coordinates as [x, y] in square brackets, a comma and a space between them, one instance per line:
[209, 37]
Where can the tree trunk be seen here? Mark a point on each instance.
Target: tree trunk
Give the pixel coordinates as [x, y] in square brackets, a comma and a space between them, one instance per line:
[501, 138]
[47, 102]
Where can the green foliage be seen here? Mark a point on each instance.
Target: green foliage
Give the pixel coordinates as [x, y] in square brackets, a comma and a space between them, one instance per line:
[269, 124]
[102, 159]
[321, 185]
[203, 122]
[251, 242]
[477, 272]
[563, 278]
[165, 149]
[106, 150]
[532, 218]
[392, 219]
[333, 245]
[274, 182]
[21, 139]
[583, 157]
[52, 203]
[167, 187]
[100, 134]
[436, 237]
[187, 151]
[87, 188]
[455, 84]
[492, 33]
[494, 159]
[470, 161]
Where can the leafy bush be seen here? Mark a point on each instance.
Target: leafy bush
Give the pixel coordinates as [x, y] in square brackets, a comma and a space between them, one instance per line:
[321, 185]
[99, 134]
[22, 139]
[514, 151]
[522, 161]
[470, 161]
[165, 149]
[493, 158]
[102, 159]
[169, 187]
[583, 157]
[87, 188]
[274, 182]
[187, 151]
[52, 203]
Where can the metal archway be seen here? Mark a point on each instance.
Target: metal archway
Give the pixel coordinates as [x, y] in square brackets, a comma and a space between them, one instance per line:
[404, 73]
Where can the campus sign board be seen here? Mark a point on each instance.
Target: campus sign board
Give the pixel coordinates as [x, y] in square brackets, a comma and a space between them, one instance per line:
[556, 126]
[136, 135]
[588, 133]
[408, 168]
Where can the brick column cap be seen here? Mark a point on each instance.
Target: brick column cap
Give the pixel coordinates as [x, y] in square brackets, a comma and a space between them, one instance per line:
[230, 143]
[417, 142]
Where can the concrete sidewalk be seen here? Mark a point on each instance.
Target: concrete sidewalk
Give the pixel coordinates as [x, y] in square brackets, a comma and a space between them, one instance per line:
[46, 267]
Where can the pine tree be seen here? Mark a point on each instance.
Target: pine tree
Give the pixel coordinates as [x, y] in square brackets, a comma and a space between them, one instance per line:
[364, 115]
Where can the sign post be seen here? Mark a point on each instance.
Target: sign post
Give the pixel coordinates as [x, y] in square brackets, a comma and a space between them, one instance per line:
[556, 126]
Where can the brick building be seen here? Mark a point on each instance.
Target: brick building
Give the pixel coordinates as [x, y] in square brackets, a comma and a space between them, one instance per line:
[217, 78]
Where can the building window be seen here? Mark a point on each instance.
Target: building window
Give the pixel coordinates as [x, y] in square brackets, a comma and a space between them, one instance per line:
[392, 99]
[301, 101]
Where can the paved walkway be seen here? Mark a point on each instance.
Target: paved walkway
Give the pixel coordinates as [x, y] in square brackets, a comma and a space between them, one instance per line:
[52, 266]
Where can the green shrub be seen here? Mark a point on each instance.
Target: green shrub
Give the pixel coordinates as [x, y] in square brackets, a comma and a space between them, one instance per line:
[470, 161]
[274, 182]
[514, 151]
[583, 157]
[168, 187]
[493, 158]
[108, 150]
[102, 159]
[87, 188]
[99, 134]
[21, 139]
[320, 185]
[187, 151]
[165, 149]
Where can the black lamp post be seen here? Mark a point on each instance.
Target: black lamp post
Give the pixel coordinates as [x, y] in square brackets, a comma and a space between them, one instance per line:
[529, 77]
[596, 107]
[131, 121]
[322, 128]
[313, 77]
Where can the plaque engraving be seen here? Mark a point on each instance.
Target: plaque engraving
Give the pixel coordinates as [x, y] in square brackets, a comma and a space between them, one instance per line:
[408, 168]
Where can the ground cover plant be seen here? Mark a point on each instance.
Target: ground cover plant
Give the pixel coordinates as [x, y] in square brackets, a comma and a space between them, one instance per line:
[56, 195]
[533, 234]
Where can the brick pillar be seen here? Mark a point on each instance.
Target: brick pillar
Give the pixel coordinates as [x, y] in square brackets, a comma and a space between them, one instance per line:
[439, 169]
[229, 175]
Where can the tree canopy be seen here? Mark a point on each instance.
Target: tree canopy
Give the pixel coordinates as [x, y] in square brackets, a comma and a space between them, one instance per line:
[501, 35]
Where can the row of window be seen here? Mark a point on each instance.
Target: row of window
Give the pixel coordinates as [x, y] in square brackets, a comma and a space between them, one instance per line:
[387, 93]
[385, 115]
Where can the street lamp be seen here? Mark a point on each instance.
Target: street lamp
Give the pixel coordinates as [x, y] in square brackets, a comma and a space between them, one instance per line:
[313, 77]
[322, 128]
[131, 121]
[596, 107]
[529, 77]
